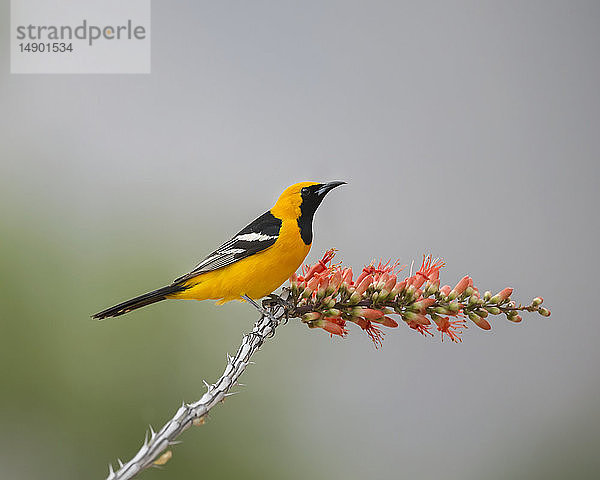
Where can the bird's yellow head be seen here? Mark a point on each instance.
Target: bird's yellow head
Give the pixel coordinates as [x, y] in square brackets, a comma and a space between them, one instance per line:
[300, 201]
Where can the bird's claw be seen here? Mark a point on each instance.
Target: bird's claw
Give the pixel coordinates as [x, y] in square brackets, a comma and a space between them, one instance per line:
[274, 300]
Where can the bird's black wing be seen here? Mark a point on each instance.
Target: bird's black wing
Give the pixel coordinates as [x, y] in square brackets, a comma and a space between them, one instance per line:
[259, 235]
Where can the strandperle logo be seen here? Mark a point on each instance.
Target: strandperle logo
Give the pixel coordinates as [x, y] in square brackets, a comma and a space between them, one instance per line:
[86, 36]
[84, 31]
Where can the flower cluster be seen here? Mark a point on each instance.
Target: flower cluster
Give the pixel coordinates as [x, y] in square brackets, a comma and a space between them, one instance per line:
[327, 296]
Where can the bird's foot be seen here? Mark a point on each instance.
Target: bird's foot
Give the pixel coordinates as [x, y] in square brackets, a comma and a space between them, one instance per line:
[273, 300]
[264, 313]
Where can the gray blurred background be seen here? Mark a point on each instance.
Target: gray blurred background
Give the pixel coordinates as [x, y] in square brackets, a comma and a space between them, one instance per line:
[470, 130]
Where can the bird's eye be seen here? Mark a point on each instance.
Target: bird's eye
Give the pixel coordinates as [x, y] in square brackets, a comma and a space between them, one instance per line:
[304, 191]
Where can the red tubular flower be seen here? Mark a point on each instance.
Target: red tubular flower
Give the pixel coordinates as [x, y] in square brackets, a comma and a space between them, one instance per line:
[429, 270]
[368, 313]
[323, 282]
[398, 288]
[416, 318]
[390, 283]
[331, 326]
[387, 322]
[376, 335]
[381, 268]
[313, 283]
[445, 290]
[450, 328]
[347, 276]
[462, 285]
[367, 270]
[361, 322]
[336, 279]
[502, 295]
[337, 320]
[321, 265]
[506, 293]
[334, 329]
[362, 275]
[422, 329]
[479, 321]
[364, 284]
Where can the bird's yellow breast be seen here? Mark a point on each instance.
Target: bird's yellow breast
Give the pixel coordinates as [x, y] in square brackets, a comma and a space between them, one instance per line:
[254, 276]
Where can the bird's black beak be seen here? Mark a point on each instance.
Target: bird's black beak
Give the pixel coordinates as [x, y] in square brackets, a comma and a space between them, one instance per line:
[325, 188]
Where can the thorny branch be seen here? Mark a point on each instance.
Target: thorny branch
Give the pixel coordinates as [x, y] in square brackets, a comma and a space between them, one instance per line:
[154, 450]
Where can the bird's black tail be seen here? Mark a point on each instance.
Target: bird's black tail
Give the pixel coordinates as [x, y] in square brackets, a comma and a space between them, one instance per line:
[139, 302]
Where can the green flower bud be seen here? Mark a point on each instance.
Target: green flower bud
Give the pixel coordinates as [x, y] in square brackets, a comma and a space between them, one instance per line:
[432, 288]
[454, 307]
[515, 318]
[354, 299]
[310, 316]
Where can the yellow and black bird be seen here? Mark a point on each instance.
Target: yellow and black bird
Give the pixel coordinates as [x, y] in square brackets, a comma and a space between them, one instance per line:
[254, 262]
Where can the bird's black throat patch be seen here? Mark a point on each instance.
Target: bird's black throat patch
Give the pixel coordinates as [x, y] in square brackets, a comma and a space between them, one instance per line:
[310, 202]
[305, 225]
